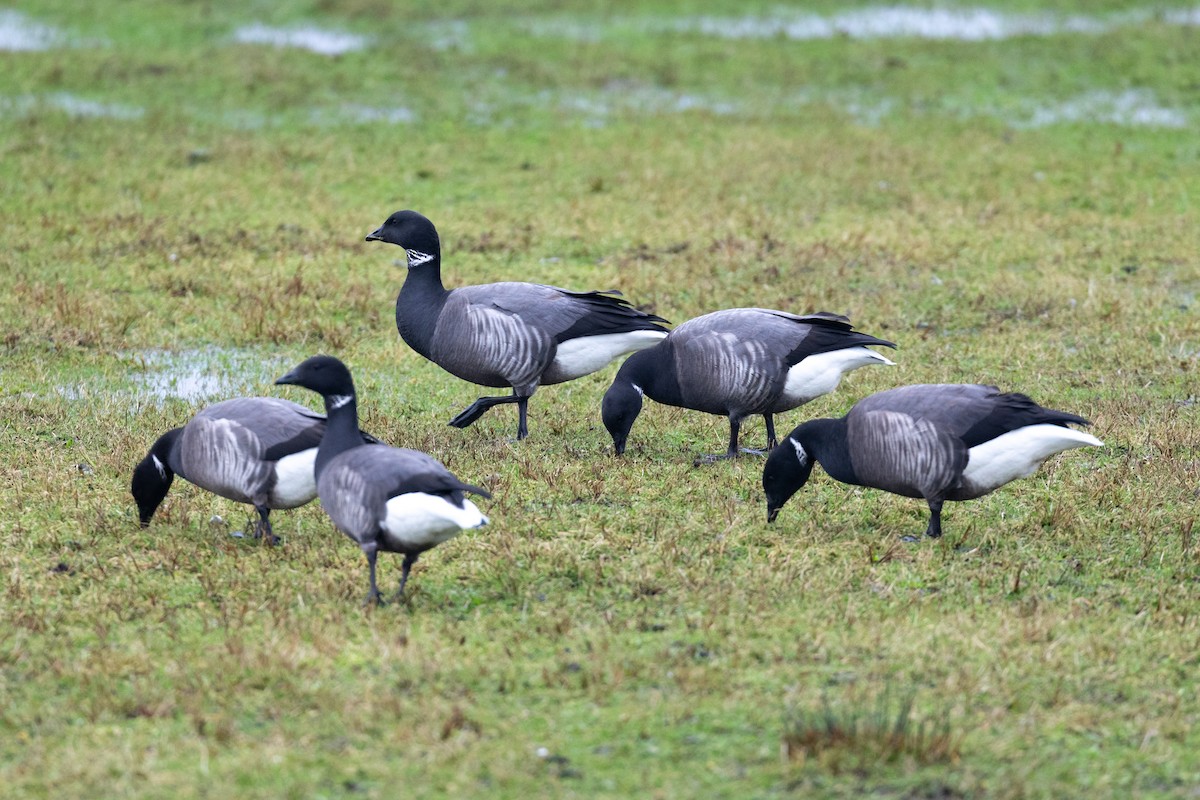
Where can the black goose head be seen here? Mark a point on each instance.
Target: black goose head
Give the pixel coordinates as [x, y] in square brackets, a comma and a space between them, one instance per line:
[152, 477]
[412, 231]
[324, 375]
[623, 400]
[621, 406]
[786, 471]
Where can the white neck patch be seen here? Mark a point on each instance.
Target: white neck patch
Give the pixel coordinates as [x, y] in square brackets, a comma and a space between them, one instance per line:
[416, 258]
[641, 392]
[801, 453]
[339, 400]
[162, 471]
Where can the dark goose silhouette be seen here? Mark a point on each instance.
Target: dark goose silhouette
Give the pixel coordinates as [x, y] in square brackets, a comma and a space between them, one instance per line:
[737, 363]
[384, 498]
[521, 335]
[934, 441]
[255, 450]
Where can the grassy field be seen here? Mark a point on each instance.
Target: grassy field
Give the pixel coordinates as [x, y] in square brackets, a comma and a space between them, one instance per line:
[183, 216]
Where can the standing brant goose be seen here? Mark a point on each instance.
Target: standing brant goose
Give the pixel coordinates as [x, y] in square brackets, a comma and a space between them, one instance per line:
[514, 334]
[256, 450]
[385, 498]
[936, 441]
[736, 363]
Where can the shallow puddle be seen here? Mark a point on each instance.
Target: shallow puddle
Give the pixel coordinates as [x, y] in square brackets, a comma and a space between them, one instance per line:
[364, 114]
[205, 373]
[311, 38]
[70, 104]
[196, 376]
[1134, 107]
[498, 103]
[965, 24]
[957, 24]
[616, 99]
[19, 33]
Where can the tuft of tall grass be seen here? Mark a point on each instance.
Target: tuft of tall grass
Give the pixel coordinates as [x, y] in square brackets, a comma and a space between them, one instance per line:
[859, 736]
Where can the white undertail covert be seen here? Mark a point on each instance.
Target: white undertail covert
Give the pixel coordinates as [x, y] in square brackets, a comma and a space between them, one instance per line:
[417, 520]
[587, 354]
[820, 374]
[1019, 453]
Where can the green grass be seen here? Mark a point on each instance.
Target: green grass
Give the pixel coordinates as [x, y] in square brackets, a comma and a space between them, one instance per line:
[624, 628]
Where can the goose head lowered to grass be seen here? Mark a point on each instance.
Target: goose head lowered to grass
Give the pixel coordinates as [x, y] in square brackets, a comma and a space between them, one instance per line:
[255, 450]
[934, 441]
[737, 363]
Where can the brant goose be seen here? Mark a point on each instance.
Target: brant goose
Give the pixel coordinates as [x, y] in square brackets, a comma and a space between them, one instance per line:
[514, 334]
[256, 450]
[935, 441]
[736, 363]
[385, 498]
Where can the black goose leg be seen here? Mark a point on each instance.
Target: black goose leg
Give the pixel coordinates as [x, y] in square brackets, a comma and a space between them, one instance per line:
[934, 531]
[731, 452]
[771, 440]
[373, 596]
[479, 408]
[522, 418]
[263, 528]
[409, 560]
[735, 427]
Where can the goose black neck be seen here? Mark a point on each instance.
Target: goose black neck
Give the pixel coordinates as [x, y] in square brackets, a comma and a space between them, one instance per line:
[653, 371]
[152, 477]
[341, 429]
[166, 450]
[419, 304]
[825, 442]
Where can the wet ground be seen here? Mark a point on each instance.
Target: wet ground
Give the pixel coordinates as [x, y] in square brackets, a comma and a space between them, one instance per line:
[498, 97]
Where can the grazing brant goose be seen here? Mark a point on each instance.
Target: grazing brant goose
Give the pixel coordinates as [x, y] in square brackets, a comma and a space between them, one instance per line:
[736, 363]
[936, 441]
[514, 334]
[256, 450]
[384, 498]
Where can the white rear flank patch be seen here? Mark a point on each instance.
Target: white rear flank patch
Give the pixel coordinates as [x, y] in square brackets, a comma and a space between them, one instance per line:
[583, 356]
[1018, 454]
[820, 374]
[417, 521]
[295, 479]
